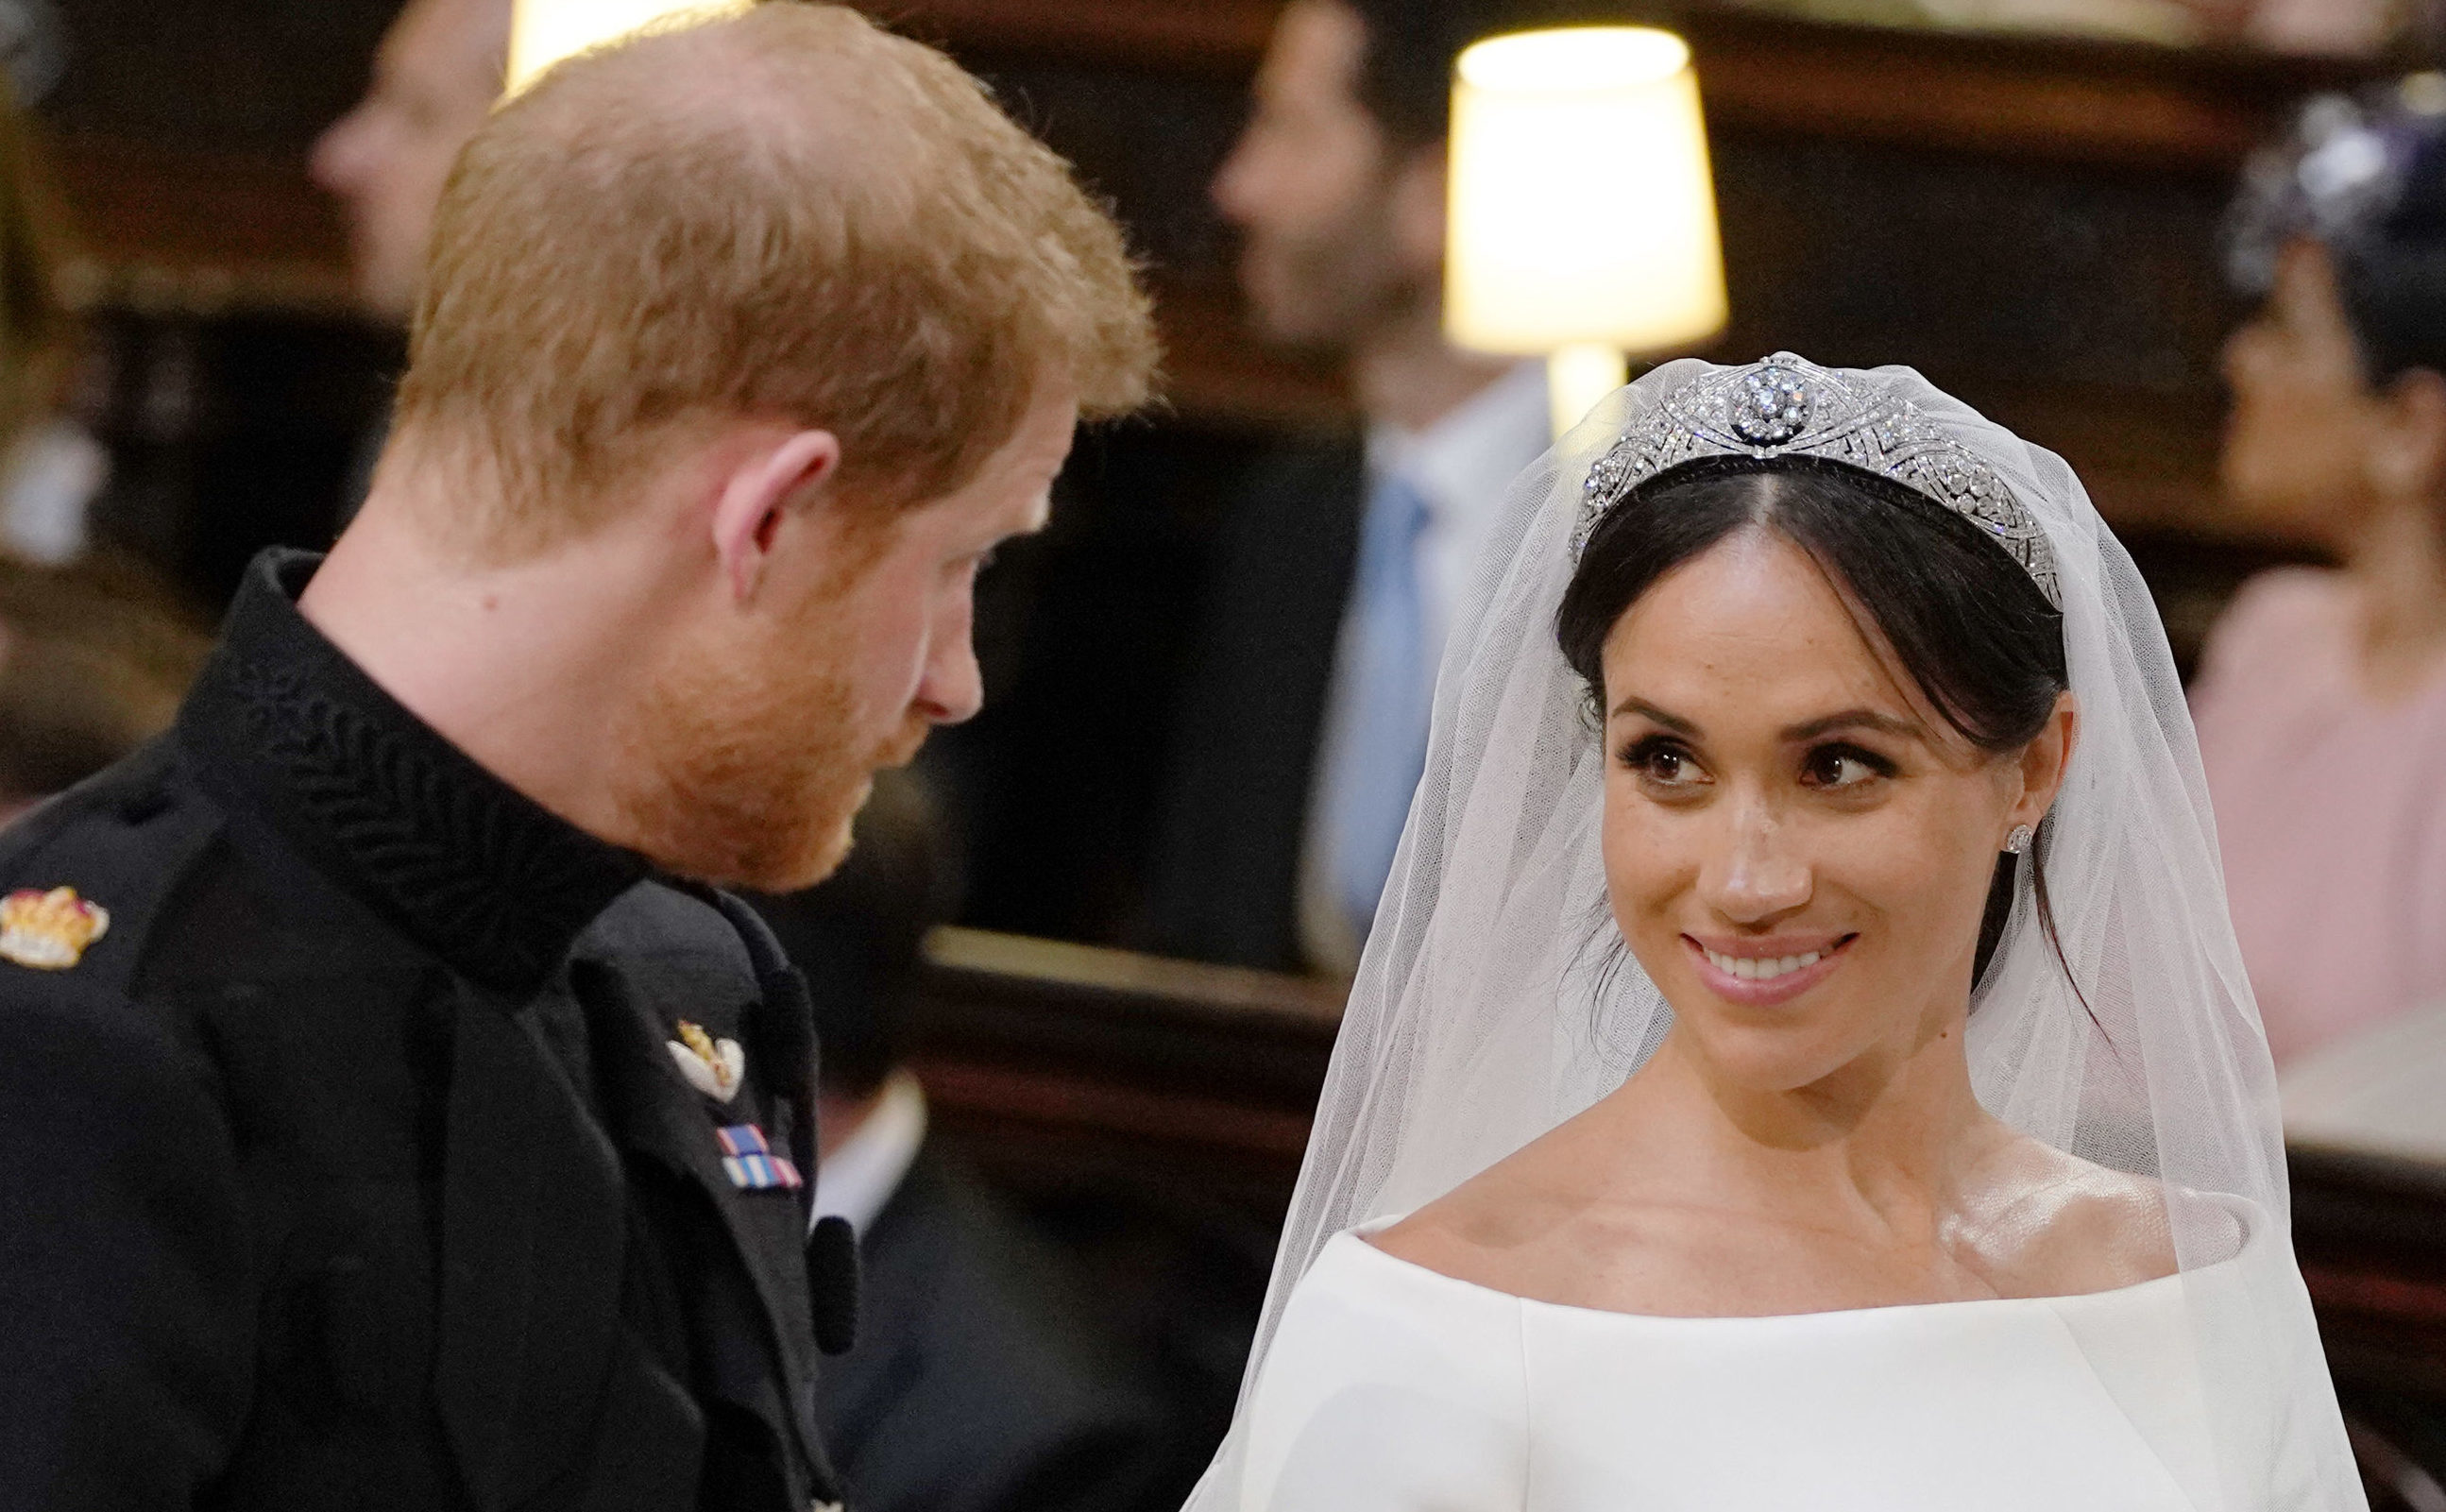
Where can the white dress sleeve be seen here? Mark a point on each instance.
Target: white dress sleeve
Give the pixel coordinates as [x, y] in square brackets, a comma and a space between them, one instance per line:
[1385, 1391]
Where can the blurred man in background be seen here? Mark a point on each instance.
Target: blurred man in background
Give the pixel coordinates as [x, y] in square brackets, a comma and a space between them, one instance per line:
[436, 78]
[50, 468]
[980, 1382]
[1303, 733]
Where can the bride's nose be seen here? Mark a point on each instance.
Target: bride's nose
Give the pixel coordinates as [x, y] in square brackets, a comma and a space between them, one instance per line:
[1756, 874]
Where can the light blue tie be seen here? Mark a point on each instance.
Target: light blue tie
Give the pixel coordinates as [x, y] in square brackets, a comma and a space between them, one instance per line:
[1387, 687]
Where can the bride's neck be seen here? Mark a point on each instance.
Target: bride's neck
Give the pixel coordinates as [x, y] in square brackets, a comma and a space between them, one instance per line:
[1892, 1129]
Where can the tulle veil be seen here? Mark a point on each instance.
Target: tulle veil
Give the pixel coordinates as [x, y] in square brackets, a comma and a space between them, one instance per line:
[1483, 1013]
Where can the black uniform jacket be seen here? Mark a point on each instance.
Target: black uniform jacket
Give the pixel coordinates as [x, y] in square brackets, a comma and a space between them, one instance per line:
[1226, 872]
[353, 1165]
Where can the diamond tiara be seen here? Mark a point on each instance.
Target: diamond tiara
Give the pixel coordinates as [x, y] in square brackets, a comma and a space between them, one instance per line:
[1787, 407]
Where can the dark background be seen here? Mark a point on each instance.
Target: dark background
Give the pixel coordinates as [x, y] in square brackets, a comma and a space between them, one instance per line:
[2031, 223]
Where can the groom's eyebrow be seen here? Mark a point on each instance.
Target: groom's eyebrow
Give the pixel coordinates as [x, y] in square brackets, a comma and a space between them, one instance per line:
[1655, 715]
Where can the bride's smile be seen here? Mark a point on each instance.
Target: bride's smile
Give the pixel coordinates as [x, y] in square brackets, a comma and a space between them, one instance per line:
[1764, 972]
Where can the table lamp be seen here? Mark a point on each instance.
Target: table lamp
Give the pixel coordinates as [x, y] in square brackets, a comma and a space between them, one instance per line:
[1583, 218]
[544, 31]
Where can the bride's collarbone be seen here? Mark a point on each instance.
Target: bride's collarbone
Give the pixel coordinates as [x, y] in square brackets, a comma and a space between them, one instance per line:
[2041, 1224]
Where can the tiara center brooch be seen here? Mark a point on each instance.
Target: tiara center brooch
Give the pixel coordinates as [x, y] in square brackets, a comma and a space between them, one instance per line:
[1771, 407]
[1787, 407]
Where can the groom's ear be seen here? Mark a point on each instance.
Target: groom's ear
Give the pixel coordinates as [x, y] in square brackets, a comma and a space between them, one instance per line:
[2045, 761]
[766, 479]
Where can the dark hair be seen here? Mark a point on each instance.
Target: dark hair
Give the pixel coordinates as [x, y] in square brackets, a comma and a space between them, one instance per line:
[1406, 70]
[858, 935]
[1962, 617]
[2383, 225]
[2392, 279]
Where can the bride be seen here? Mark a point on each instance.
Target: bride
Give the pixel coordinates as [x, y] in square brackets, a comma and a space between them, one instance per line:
[1802, 1060]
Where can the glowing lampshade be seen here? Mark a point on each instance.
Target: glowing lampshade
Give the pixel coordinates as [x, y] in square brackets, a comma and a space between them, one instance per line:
[544, 31]
[1583, 214]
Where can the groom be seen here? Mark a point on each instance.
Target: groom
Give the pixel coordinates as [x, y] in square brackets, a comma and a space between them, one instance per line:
[390, 1114]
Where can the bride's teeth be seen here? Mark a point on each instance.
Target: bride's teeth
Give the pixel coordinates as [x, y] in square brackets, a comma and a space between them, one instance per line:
[1751, 969]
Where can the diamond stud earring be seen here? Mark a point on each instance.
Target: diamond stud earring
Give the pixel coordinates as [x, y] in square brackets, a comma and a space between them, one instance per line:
[2018, 843]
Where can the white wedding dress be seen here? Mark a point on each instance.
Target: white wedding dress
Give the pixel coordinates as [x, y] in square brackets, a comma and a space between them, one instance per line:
[1393, 1388]
[1494, 1004]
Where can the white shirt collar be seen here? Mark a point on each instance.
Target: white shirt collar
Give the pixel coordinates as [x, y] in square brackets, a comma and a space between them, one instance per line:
[1464, 462]
[1463, 466]
[857, 1179]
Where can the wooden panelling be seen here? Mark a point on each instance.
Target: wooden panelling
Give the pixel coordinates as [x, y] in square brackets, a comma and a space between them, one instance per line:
[2055, 98]
[244, 77]
[1060, 1065]
[2371, 1233]
[196, 233]
[1214, 36]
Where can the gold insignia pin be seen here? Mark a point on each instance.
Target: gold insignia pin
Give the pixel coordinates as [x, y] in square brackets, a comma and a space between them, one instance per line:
[712, 1067]
[50, 931]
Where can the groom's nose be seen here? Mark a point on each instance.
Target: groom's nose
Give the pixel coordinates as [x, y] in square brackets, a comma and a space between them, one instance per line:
[952, 688]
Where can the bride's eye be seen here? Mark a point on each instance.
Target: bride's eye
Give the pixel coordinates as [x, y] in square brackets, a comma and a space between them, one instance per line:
[1663, 763]
[1842, 767]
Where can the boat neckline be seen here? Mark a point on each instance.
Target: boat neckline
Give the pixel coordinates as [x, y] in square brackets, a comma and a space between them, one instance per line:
[2249, 1214]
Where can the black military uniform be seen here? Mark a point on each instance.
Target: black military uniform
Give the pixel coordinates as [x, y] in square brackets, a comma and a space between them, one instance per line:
[355, 1165]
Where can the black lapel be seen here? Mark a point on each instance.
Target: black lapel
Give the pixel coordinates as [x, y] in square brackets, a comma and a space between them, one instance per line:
[655, 1113]
[532, 1246]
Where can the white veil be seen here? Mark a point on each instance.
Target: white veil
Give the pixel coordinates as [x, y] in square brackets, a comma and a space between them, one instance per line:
[1481, 1018]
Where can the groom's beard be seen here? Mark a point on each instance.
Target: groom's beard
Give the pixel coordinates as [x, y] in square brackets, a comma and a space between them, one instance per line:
[751, 775]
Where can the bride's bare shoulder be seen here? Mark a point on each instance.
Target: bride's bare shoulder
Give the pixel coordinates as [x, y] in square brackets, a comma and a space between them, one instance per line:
[2046, 1223]
[1466, 1233]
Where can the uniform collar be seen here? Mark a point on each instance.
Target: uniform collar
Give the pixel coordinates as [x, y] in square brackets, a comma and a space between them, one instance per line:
[283, 726]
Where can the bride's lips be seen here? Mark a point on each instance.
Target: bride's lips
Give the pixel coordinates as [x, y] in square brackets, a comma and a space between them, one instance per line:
[1770, 956]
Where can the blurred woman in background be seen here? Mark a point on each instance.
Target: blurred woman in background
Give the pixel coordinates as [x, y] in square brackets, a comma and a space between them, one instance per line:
[2344, 28]
[50, 468]
[95, 658]
[2322, 696]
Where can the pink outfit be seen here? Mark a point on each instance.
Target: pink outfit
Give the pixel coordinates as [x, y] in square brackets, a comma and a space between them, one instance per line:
[2330, 811]
[2350, 28]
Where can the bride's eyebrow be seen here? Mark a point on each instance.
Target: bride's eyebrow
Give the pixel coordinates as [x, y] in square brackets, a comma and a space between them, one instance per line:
[1852, 719]
[1649, 712]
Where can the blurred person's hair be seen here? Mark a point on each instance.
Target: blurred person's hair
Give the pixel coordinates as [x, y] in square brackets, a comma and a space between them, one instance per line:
[1405, 70]
[858, 935]
[2365, 178]
[94, 660]
[34, 326]
[790, 213]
